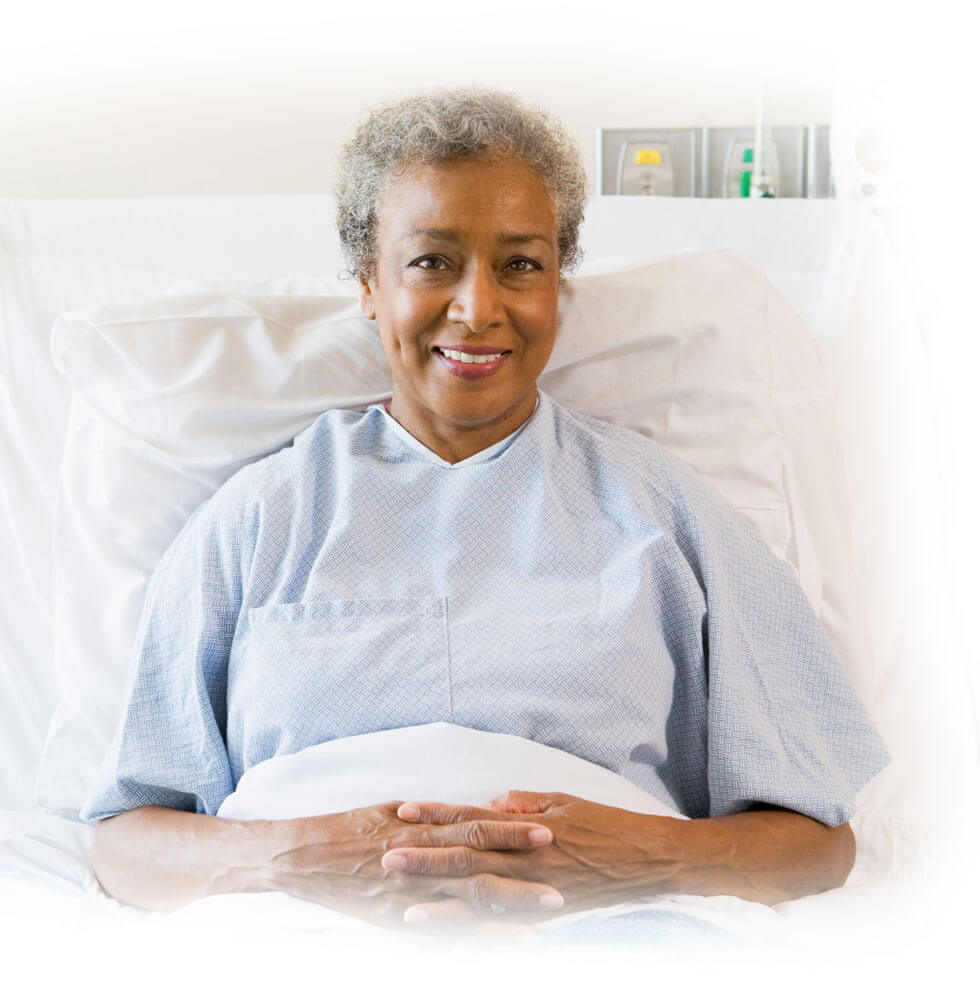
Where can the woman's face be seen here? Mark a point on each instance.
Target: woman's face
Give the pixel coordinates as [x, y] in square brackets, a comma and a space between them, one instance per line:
[467, 270]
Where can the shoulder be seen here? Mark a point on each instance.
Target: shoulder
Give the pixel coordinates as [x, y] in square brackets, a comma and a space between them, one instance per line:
[275, 477]
[637, 456]
[631, 470]
[326, 437]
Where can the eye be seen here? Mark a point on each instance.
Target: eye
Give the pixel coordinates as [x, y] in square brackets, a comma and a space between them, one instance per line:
[522, 264]
[429, 262]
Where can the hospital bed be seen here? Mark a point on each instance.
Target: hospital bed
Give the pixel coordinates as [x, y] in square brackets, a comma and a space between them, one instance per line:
[150, 348]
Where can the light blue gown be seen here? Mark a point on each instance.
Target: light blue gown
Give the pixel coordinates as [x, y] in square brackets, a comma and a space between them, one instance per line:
[574, 584]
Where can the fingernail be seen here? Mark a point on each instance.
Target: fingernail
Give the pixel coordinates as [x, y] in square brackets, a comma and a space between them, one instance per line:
[416, 916]
[551, 900]
[540, 835]
[394, 862]
[406, 812]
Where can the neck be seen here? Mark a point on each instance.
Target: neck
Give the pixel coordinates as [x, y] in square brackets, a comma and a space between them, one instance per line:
[456, 440]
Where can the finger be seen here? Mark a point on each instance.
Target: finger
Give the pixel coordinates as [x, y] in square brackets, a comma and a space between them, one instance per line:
[486, 890]
[416, 811]
[481, 835]
[454, 862]
[524, 801]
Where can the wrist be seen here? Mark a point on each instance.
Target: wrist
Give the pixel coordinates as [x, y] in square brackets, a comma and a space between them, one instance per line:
[676, 854]
[696, 857]
[258, 852]
[713, 856]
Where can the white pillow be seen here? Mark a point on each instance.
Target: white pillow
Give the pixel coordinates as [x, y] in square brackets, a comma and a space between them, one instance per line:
[36, 283]
[173, 395]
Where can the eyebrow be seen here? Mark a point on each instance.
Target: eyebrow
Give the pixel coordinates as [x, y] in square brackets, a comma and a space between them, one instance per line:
[511, 238]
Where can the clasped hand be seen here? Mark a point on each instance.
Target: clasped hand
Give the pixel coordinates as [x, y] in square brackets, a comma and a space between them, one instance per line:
[529, 854]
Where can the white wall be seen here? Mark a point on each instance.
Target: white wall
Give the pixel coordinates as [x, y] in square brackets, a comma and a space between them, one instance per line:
[105, 98]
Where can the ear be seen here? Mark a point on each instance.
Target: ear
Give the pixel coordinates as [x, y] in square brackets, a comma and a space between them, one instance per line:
[367, 300]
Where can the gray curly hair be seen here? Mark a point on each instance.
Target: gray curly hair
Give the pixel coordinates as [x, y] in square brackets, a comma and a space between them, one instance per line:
[447, 125]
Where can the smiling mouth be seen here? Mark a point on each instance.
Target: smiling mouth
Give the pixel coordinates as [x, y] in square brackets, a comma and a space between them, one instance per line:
[472, 356]
[472, 362]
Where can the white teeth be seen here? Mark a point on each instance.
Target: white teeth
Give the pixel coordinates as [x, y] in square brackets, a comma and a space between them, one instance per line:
[458, 356]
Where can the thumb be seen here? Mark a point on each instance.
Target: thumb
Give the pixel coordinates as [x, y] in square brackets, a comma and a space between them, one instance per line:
[522, 801]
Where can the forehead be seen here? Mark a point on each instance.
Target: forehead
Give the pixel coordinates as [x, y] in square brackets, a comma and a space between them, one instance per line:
[468, 197]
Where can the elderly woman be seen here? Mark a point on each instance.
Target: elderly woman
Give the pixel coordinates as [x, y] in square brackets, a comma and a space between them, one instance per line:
[475, 553]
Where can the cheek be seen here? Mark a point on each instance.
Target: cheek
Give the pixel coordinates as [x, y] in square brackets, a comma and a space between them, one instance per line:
[541, 321]
[404, 335]
[412, 316]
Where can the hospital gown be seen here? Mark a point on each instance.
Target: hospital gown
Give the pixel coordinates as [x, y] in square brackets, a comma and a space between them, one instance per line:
[574, 584]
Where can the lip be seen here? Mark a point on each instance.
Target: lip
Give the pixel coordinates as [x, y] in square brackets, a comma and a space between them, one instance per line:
[473, 370]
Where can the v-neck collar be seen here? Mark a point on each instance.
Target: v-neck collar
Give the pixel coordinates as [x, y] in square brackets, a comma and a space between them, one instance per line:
[431, 456]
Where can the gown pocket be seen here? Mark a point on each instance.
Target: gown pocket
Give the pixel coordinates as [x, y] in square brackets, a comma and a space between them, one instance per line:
[338, 667]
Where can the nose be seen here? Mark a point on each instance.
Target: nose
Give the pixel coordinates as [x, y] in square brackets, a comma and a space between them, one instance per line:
[477, 300]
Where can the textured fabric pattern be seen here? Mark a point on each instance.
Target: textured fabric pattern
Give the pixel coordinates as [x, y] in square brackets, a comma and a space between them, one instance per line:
[577, 586]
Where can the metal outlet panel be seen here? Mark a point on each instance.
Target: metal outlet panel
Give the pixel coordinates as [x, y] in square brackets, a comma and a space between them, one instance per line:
[708, 162]
[617, 151]
[788, 151]
[645, 168]
[737, 172]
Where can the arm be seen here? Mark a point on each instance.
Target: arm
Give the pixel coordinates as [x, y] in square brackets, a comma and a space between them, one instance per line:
[159, 858]
[765, 855]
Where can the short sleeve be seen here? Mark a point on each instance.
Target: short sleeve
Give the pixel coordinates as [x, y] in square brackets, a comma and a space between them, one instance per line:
[169, 747]
[784, 725]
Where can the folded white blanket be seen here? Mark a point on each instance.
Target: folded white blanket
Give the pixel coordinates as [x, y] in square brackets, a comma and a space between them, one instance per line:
[441, 762]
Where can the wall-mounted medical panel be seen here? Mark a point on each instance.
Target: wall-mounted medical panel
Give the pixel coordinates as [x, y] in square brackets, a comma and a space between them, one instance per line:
[728, 155]
[648, 162]
[713, 162]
